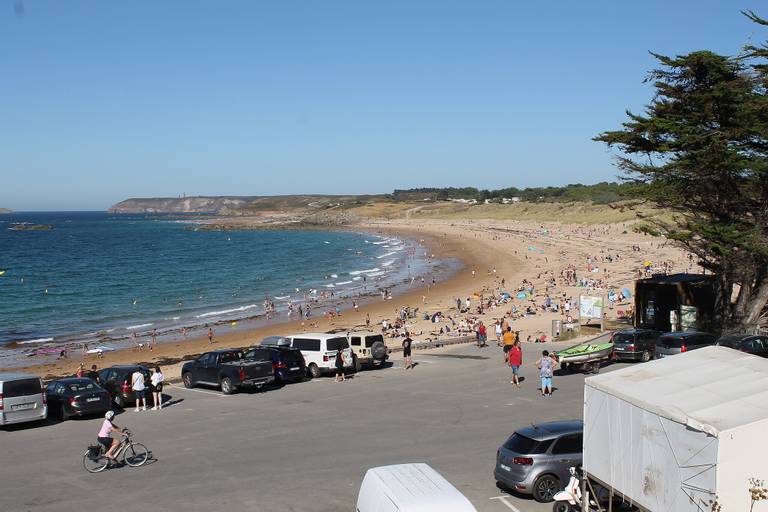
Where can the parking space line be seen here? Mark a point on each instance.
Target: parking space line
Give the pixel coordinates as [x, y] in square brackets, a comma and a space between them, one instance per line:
[198, 390]
[503, 499]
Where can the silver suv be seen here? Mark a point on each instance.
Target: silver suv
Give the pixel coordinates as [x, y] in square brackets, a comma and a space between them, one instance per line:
[536, 460]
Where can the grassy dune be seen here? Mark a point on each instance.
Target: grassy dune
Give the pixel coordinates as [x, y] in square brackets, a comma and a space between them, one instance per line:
[570, 213]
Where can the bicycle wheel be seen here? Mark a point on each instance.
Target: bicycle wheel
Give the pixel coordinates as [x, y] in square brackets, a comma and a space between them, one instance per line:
[94, 464]
[135, 454]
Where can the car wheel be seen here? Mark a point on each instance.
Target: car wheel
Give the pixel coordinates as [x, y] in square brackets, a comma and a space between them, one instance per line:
[545, 487]
[187, 379]
[226, 386]
[561, 506]
[645, 357]
[119, 402]
[314, 371]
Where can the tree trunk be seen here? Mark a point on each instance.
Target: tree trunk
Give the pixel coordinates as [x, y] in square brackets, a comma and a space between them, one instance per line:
[758, 300]
[721, 316]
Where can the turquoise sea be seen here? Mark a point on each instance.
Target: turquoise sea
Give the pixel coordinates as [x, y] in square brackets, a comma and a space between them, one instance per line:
[96, 278]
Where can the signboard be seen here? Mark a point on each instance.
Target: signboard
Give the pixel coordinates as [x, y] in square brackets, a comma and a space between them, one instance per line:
[590, 307]
[689, 317]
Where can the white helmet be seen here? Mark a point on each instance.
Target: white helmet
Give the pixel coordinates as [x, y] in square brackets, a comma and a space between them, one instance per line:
[109, 415]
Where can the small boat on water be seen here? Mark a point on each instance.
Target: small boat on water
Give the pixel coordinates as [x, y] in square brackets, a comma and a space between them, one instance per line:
[586, 355]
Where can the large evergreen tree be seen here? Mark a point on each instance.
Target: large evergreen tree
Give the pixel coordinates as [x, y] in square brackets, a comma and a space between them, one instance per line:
[699, 150]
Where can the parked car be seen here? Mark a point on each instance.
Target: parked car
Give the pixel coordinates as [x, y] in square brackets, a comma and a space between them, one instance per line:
[409, 488]
[228, 370]
[22, 398]
[287, 362]
[117, 381]
[634, 344]
[368, 349]
[751, 344]
[535, 460]
[319, 351]
[75, 396]
[672, 343]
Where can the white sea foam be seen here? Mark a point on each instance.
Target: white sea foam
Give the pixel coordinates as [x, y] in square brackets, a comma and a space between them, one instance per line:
[176, 318]
[385, 255]
[358, 272]
[356, 278]
[388, 263]
[283, 297]
[334, 276]
[330, 285]
[380, 243]
[39, 340]
[343, 282]
[226, 311]
[140, 326]
[376, 274]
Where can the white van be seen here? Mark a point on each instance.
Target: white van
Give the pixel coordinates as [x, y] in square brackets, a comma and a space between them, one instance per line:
[319, 351]
[409, 488]
[22, 398]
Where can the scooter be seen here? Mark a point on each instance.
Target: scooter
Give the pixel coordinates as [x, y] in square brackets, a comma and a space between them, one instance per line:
[569, 499]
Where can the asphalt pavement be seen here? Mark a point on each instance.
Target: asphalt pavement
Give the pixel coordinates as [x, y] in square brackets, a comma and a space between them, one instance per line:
[302, 447]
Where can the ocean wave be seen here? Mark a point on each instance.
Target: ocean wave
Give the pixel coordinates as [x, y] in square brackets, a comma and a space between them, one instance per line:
[226, 311]
[139, 326]
[388, 263]
[357, 278]
[329, 285]
[385, 255]
[283, 297]
[39, 340]
[376, 274]
[379, 243]
[358, 272]
[343, 282]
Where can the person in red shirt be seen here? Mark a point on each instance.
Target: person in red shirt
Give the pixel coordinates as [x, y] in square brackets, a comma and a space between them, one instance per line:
[482, 335]
[515, 362]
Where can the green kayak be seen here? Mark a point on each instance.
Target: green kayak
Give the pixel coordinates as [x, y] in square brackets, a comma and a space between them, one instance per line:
[585, 352]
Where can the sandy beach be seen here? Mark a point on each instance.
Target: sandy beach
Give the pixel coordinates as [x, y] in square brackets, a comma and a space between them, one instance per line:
[496, 256]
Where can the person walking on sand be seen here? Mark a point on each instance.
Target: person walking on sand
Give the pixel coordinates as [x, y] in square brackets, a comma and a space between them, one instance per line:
[497, 330]
[156, 380]
[482, 335]
[407, 342]
[210, 336]
[515, 357]
[139, 390]
[546, 365]
[340, 366]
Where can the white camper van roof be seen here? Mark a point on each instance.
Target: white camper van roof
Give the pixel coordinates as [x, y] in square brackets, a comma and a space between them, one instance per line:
[419, 488]
[712, 389]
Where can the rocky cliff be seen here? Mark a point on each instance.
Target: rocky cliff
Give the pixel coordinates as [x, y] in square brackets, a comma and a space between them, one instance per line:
[5, 210]
[197, 204]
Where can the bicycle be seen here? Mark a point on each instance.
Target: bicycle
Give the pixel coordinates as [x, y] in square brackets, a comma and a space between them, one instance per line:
[133, 454]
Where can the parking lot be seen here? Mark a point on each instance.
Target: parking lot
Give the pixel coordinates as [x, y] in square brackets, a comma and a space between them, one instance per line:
[301, 447]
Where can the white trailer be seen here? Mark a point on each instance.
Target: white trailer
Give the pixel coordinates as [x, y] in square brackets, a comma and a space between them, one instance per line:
[673, 435]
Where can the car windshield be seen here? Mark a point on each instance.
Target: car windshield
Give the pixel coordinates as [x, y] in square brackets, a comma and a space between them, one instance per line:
[370, 340]
[624, 337]
[519, 443]
[337, 343]
[82, 385]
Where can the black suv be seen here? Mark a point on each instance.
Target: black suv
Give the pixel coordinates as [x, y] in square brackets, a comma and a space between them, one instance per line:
[634, 344]
[117, 380]
[288, 362]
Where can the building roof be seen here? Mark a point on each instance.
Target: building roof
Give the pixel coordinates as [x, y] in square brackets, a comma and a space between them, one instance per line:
[712, 389]
[675, 278]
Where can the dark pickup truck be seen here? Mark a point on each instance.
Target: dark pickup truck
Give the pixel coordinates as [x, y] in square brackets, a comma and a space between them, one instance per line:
[228, 370]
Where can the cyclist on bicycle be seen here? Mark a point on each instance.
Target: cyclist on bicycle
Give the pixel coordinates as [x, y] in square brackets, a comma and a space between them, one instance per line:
[105, 438]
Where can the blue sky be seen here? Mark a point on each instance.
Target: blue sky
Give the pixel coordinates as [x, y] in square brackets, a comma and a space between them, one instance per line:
[101, 101]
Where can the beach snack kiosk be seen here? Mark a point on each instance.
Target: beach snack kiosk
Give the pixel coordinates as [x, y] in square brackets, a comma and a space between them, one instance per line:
[675, 434]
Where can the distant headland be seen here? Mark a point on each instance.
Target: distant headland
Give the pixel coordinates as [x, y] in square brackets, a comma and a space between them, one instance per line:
[5, 210]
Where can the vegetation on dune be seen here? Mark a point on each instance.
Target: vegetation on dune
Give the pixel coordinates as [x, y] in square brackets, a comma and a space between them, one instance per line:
[600, 193]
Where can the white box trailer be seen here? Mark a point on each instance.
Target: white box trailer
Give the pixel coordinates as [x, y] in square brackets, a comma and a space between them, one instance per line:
[674, 434]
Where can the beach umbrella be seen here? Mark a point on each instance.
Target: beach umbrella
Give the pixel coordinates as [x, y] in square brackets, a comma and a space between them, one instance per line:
[506, 295]
[626, 292]
[522, 295]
